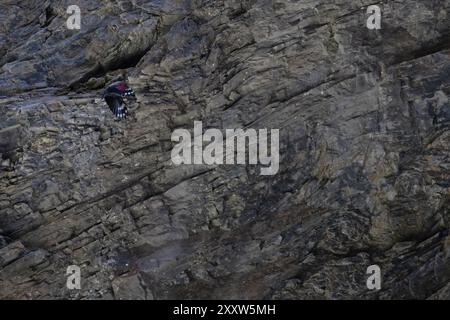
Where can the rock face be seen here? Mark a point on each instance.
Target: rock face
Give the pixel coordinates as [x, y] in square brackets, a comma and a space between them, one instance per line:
[364, 178]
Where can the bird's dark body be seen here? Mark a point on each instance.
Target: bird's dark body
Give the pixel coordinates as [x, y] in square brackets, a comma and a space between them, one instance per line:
[114, 95]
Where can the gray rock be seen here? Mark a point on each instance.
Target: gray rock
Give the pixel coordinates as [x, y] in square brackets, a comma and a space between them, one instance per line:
[364, 150]
[129, 288]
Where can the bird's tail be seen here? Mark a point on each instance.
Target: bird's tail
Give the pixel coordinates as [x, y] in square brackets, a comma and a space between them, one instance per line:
[117, 106]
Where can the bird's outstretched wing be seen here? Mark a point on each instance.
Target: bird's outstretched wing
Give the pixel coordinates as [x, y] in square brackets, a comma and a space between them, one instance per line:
[128, 93]
[117, 106]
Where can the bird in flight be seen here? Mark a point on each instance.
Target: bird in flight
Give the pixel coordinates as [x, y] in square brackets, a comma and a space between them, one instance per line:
[114, 95]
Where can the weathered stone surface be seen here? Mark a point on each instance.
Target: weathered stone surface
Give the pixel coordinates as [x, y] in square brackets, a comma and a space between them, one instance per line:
[129, 288]
[364, 177]
[11, 252]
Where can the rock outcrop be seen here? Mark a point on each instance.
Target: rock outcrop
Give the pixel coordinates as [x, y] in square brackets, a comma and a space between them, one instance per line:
[364, 177]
